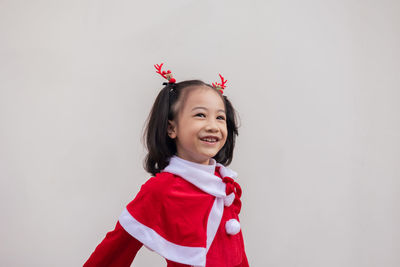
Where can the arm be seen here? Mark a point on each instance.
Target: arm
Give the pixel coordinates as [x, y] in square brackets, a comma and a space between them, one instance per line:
[118, 248]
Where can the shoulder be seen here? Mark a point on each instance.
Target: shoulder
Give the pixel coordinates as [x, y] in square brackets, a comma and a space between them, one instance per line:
[167, 192]
[159, 181]
[165, 183]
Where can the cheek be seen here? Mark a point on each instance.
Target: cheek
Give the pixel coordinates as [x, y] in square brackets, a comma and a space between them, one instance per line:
[225, 131]
[190, 132]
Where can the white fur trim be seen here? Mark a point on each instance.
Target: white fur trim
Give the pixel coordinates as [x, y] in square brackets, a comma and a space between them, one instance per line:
[226, 172]
[232, 227]
[228, 200]
[151, 239]
[200, 175]
[214, 219]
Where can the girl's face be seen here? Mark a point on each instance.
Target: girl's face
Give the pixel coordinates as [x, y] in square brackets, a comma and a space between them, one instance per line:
[199, 128]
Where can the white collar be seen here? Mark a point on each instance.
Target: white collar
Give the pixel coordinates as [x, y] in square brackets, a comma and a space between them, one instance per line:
[201, 175]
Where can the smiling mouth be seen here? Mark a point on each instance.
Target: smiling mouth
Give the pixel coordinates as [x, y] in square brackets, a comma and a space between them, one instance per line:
[210, 139]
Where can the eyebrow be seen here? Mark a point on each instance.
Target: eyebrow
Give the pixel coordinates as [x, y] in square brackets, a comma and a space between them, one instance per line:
[219, 110]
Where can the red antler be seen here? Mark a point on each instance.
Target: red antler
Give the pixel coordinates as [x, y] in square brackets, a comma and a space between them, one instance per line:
[158, 68]
[166, 74]
[223, 82]
[220, 86]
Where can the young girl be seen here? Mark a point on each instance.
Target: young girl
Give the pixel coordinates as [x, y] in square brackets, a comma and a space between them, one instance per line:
[188, 212]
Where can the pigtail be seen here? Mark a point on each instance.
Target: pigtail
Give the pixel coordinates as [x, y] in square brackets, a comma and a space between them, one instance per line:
[160, 147]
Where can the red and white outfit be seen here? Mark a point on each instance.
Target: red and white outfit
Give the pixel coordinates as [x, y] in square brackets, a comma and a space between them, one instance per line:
[188, 214]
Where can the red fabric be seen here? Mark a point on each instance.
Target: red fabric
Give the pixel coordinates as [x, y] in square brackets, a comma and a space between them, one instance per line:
[117, 249]
[183, 204]
[174, 208]
[226, 250]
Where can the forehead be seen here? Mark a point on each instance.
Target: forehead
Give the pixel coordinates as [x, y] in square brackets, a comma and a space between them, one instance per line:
[203, 96]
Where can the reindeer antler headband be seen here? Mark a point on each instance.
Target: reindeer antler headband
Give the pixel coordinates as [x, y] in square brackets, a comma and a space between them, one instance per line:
[168, 76]
[220, 86]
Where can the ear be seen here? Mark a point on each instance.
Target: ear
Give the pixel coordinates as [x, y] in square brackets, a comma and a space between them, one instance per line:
[171, 129]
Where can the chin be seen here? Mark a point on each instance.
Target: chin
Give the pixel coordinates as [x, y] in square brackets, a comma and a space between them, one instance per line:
[210, 155]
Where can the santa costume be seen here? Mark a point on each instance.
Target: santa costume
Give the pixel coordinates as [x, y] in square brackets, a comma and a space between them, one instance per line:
[188, 213]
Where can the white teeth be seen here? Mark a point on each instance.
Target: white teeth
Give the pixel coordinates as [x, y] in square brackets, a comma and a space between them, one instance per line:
[209, 139]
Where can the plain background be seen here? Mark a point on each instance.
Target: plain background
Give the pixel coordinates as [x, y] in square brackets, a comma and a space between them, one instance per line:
[316, 84]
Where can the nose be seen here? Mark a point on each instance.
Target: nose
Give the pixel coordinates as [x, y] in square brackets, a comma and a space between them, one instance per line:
[212, 126]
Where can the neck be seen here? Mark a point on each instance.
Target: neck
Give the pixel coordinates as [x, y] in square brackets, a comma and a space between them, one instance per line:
[209, 167]
[206, 161]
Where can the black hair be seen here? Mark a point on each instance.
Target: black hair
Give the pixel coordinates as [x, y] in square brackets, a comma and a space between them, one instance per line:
[160, 146]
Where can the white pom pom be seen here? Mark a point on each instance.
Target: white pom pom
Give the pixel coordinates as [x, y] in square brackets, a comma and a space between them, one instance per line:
[232, 227]
[228, 200]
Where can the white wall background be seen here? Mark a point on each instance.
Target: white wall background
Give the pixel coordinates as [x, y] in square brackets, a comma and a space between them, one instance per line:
[316, 84]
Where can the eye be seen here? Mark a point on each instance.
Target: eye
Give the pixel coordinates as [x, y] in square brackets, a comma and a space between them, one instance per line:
[221, 118]
[201, 115]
